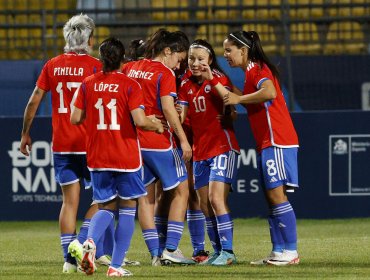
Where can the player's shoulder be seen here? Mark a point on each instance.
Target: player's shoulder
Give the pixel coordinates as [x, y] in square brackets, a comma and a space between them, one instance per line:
[126, 80]
[161, 68]
[218, 73]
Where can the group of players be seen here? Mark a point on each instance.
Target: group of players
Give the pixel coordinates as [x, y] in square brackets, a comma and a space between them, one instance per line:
[155, 135]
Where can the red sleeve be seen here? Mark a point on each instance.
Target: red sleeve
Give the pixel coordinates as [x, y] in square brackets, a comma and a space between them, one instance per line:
[258, 75]
[167, 85]
[135, 96]
[80, 100]
[43, 80]
[182, 96]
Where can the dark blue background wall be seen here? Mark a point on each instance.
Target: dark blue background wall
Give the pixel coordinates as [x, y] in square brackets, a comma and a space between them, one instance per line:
[333, 170]
[319, 82]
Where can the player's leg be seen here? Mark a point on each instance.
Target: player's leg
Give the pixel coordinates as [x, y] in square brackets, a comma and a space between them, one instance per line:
[201, 180]
[218, 193]
[67, 223]
[279, 169]
[67, 175]
[130, 187]
[105, 194]
[146, 213]
[223, 174]
[146, 220]
[172, 173]
[196, 220]
[162, 207]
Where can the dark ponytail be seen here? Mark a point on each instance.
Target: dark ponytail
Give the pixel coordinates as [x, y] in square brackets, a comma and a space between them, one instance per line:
[161, 39]
[252, 41]
[112, 53]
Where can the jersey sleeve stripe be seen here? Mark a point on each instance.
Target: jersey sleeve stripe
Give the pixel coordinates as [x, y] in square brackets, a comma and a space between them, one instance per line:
[260, 82]
[183, 102]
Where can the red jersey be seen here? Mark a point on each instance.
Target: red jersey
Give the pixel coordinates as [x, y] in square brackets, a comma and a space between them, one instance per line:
[63, 75]
[270, 121]
[210, 138]
[156, 80]
[112, 142]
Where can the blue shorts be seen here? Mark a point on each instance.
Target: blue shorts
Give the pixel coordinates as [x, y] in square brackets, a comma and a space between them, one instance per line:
[107, 185]
[167, 166]
[70, 168]
[278, 167]
[221, 168]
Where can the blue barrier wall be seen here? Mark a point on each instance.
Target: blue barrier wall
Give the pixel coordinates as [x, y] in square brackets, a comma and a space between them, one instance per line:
[333, 163]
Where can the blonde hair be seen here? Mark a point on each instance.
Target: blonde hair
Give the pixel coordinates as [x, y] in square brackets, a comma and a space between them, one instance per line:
[77, 32]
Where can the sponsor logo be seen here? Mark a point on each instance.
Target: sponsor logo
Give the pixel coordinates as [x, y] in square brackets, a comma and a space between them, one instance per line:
[33, 176]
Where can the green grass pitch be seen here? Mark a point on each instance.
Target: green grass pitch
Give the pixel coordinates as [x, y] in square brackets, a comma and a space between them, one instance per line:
[329, 249]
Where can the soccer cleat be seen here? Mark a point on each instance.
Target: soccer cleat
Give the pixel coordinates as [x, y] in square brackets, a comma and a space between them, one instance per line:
[126, 261]
[69, 267]
[264, 260]
[211, 259]
[103, 260]
[75, 249]
[174, 257]
[88, 259]
[286, 258]
[225, 258]
[156, 261]
[118, 272]
[201, 256]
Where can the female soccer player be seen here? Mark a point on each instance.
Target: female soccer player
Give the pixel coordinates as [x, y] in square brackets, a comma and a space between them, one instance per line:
[164, 52]
[63, 75]
[108, 102]
[215, 148]
[276, 138]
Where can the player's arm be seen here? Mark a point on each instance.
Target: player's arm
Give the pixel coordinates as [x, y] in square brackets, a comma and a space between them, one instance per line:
[78, 115]
[182, 110]
[29, 114]
[146, 122]
[265, 93]
[173, 119]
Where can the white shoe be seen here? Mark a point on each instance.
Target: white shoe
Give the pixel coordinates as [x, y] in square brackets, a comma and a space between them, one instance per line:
[286, 258]
[118, 272]
[156, 261]
[126, 261]
[264, 260]
[104, 260]
[69, 268]
[175, 257]
[88, 259]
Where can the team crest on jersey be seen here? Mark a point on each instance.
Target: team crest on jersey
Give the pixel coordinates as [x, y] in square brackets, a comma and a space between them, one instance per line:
[207, 88]
[190, 91]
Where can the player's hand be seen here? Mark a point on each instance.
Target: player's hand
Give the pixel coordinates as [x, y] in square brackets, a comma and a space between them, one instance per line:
[178, 108]
[226, 121]
[163, 121]
[26, 145]
[159, 128]
[206, 71]
[157, 122]
[231, 99]
[186, 151]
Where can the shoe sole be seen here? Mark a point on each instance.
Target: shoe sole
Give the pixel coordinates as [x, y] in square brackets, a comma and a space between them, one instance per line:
[170, 262]
[292, 262]
[87, 265]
